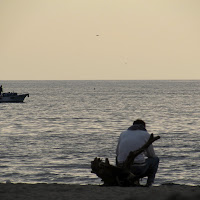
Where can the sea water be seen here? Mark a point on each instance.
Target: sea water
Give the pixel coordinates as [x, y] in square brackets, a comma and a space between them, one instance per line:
[55, 134]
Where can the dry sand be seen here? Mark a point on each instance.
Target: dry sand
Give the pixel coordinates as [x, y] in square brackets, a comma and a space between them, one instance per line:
[86, 192]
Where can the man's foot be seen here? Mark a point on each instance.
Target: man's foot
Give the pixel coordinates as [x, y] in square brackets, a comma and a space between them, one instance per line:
[149, 185]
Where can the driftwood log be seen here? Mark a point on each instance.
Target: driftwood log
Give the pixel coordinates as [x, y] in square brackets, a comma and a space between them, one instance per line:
[119, 176]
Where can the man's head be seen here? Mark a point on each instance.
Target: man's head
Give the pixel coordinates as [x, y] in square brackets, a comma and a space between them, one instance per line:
[139, 122]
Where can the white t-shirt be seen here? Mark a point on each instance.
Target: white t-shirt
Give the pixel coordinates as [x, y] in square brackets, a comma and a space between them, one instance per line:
[131, 140]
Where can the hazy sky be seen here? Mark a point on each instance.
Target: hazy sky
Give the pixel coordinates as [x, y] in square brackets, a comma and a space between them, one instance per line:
[99, 39]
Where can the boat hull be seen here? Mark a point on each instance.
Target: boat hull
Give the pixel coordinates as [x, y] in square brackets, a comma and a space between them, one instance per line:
[19, 98]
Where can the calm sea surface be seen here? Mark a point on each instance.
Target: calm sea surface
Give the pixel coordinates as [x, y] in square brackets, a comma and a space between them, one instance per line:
[54, 135]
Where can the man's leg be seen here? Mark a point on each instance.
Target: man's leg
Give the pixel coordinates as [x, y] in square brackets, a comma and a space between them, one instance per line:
[149, 170]
[152, 168]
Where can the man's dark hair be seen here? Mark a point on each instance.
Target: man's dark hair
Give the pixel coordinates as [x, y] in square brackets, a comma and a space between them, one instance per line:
[139, 122]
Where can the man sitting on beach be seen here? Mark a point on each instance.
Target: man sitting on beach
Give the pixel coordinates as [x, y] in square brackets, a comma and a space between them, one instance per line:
[1, 89]
[131, 140]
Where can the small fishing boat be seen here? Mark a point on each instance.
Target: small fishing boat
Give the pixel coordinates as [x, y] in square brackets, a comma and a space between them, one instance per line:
[12, 97]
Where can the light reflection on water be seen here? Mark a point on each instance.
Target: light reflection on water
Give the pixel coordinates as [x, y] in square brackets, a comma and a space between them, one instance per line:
[63, 125]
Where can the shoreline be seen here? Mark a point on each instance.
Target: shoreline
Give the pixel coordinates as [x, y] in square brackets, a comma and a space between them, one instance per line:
[45, 191]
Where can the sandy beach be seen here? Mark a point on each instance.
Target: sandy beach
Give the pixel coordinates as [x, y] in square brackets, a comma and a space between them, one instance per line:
[86, 192]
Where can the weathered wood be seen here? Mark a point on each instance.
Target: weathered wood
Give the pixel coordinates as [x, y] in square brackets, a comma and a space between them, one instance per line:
[119, 176]
[111, 175]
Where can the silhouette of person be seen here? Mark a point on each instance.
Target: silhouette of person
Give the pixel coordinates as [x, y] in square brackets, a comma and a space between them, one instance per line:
[146, 163]
[1, 89]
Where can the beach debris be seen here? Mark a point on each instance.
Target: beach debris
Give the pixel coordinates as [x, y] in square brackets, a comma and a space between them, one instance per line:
[112, 175]
[119, 176]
